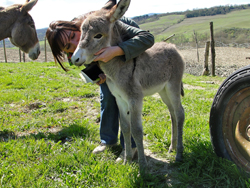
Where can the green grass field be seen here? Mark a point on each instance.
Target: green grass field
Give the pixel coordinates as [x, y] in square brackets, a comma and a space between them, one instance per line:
[168, 25]
[49, 127]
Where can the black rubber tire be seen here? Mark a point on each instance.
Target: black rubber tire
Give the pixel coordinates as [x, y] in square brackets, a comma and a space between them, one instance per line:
[230, 88]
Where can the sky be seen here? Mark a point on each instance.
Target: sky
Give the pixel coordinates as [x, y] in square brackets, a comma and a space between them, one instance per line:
[46, 11]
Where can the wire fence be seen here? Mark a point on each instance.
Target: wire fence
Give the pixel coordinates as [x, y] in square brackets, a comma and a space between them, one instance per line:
[14, 55]
[229, 57]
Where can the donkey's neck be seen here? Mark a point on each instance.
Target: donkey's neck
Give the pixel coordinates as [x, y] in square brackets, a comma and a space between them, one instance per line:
[7, 20]
[119, 34]
[110, 68]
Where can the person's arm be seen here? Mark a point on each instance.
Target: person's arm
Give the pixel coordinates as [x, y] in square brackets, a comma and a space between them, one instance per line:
[135, 42]
[129, 21]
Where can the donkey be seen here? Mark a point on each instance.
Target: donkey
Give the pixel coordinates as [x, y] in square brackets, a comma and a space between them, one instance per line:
[157, 70]
[19, 27]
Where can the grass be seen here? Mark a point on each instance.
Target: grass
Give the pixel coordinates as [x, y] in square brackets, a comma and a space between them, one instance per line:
[49, 127]
[162, 24]
[169, 25]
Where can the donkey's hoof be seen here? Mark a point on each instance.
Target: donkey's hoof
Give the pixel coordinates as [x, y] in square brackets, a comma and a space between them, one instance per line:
[179, 157]
[143, 170]
[128, 159]
[170, 150]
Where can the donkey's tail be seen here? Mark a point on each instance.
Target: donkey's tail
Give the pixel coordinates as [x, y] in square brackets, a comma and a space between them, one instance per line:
[182, 89]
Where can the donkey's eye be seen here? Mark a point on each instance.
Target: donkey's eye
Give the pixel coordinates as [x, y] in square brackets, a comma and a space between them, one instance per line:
[32, 25]
[98, 36]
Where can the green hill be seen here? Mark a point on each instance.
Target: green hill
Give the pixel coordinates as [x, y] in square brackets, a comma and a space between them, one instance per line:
[162, 24]
[234, 26]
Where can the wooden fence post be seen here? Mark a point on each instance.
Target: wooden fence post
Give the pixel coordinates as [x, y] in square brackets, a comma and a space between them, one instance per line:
[45, 49]
[169, 38]
[20, 56]
[4, 51]
[23, 57]
[197, 47]
[212, 48]
[206, 70]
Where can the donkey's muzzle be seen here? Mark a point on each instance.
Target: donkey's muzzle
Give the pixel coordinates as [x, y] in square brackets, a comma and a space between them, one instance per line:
[78, 58]
[34, 52]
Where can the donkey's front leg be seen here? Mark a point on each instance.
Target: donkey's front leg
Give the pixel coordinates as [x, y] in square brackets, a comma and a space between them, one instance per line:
[125, 128]
[137, 130]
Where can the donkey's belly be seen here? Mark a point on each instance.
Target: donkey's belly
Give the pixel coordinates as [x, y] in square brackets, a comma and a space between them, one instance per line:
[153, 89]
[125, 92]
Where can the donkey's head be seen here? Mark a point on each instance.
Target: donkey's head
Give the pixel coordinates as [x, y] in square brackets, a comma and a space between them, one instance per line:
[96, 31]
[23, 32]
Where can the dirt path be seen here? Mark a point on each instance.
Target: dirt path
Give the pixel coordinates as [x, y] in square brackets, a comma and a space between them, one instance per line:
[228, 59]
[13, 56]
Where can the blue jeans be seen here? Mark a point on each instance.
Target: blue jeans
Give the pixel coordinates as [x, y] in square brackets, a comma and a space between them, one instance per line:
[109, 125]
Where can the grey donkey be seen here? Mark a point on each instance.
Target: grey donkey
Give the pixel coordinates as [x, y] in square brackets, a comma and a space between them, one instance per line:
[17, 25]
[157, 70]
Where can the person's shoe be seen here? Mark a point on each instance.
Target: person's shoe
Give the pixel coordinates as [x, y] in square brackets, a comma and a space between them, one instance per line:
[101, 148]
[121, 156]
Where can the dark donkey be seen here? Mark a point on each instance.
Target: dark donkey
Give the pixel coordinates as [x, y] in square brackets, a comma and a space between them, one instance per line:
[17, 25]
[158, 70]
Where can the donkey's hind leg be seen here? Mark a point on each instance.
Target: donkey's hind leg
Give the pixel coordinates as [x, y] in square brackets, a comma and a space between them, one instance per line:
[171, 96]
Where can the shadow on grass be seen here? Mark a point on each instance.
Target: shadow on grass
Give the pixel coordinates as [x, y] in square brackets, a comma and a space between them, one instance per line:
[6, 135]
[200, 168]
[158, 173]
[203, 168]
[56, 134]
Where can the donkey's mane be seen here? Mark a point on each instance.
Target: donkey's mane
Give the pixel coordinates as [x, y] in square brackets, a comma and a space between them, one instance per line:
[10, 9]
[120, 33]
[9, 14]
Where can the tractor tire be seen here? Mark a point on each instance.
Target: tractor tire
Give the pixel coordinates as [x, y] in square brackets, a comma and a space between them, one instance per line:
[230, 119]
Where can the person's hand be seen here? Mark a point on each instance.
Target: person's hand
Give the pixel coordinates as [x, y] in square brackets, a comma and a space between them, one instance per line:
[108, 53]
[102, 79]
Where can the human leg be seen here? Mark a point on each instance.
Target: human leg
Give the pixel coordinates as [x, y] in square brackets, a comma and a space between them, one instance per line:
[122, 141]
[109, 122]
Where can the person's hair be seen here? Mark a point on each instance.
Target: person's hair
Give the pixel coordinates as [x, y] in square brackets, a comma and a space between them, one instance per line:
[56, 35]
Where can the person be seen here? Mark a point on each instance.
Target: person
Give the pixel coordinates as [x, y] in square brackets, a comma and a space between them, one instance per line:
[63, 37]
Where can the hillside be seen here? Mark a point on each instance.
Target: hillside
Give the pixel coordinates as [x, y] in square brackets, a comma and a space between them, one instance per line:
[228, 28]
[232, 27]
[41, 33]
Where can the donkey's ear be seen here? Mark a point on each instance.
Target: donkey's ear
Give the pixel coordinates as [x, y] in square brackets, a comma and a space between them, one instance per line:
[109, 4]
[28, 5]
[119, 10]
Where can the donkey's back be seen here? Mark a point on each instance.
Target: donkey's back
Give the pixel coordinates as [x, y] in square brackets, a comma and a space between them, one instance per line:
[150, 71]
[160, 63]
